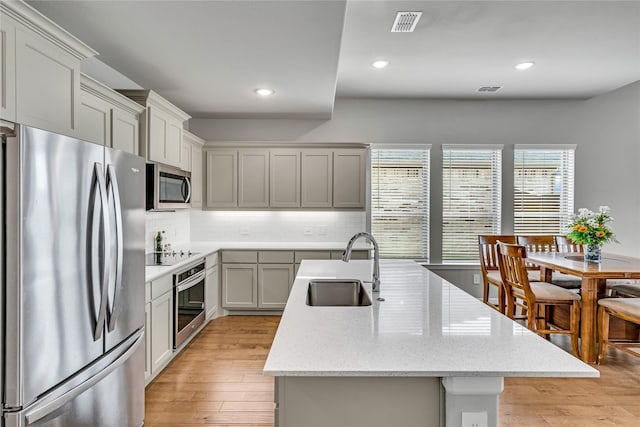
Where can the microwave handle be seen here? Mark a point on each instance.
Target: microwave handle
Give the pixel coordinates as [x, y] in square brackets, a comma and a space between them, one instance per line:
[188, 198]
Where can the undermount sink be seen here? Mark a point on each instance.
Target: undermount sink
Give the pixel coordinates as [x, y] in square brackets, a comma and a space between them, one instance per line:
[337, 292]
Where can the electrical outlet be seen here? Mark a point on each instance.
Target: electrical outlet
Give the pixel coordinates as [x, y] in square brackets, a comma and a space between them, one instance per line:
[474, 419]
[244, 231]
[308, 231]
[476, 279]
[322, 230]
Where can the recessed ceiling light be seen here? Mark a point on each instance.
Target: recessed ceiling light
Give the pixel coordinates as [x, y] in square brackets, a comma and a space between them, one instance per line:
[525, 65]
[264, 91]
[380, 63]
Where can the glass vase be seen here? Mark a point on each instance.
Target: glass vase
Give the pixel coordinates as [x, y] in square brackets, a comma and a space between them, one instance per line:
[593, 254]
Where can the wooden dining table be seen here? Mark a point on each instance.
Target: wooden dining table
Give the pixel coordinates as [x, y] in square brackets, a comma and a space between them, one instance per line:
[594, 277]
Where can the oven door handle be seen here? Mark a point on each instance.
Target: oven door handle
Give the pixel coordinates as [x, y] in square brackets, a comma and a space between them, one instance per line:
[191, 282]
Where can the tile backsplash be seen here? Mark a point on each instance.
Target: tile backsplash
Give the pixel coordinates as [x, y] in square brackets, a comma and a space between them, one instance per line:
[176, 226]
[183, 226]
[283, 226]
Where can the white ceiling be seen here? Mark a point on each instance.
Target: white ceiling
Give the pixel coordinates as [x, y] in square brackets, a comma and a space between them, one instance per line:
[207, 57]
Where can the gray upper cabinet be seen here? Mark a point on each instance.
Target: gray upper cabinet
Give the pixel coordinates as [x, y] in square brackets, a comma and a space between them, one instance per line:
[349, 178]
[284, 191]
[185, 158]
[40, 80]
[107, 117]
[253, 178]
[196, 164]
[222, 179]
[125, 128]
[281, 178]
[317, 176]
[7, 68]
[94, 114]
[161, 127]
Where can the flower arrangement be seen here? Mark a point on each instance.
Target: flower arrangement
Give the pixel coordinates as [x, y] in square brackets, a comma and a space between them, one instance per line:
[590, 228]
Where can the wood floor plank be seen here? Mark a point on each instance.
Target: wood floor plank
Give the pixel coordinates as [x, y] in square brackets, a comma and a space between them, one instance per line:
[217, 381]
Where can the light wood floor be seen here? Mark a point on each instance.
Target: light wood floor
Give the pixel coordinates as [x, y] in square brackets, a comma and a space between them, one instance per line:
[217, 381]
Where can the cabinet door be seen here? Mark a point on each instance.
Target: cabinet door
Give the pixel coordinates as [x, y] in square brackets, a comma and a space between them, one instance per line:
[284, 191]
[222, 180]
[317, 174]
[185, 158]
[7, 69]
[211, 292]
[125, 131]
[161, 330]
[147, 341]
[348, 178]
[94, 119]
[274, 283]
[239, 286]
[174, 143]
[157, 135]
[48, 86]
[253, 179]
[196, 176]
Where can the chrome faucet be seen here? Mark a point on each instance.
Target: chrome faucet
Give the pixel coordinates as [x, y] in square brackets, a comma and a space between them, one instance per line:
[346, 256]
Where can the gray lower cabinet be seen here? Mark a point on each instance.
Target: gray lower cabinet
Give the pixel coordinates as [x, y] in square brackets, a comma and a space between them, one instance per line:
[211, 292]
[274, 283]
[262, 280]
[161, 330]
[239, 285]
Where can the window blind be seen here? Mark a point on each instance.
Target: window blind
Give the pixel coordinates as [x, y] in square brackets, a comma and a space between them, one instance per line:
[400, 201]
[543, 189]
[471, 198]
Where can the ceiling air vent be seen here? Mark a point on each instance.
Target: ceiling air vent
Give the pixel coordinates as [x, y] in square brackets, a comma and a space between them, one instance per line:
[489, 89]
[405, 22]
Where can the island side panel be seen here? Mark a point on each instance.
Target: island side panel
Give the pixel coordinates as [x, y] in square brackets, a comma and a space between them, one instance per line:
[357, 401]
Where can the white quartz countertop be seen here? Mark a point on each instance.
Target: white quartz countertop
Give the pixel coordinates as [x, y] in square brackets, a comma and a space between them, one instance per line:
[424, 327]
[204, 249]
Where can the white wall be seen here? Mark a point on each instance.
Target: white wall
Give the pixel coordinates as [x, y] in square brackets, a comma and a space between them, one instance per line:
[606, 130]
[608, 162]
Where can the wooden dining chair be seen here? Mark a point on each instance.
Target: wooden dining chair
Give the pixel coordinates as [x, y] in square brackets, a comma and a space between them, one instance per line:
[623, 308]
[564, 244]
[548, 243]
[489, 267]
[537, 296]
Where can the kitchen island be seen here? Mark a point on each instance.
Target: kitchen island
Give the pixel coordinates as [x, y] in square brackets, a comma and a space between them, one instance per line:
[429, 354]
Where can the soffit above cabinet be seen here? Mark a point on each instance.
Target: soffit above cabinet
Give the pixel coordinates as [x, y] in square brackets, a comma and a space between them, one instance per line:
[208, 57]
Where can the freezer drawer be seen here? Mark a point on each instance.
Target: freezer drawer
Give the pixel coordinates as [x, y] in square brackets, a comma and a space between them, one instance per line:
[112, 396]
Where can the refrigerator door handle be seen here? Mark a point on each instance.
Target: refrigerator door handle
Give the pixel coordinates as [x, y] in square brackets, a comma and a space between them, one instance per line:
[98, 179]
[39, 412]
[113, 191]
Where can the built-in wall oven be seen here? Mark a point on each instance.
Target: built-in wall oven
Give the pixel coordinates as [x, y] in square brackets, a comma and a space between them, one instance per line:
[167, 187]
[188, 302]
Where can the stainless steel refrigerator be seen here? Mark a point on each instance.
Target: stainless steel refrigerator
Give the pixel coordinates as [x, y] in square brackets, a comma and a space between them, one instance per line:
[73, 282]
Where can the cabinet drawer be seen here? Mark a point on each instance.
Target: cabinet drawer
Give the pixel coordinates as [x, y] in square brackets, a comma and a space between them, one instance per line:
[275, 257]
[211, 260]
[300, 255]
[240, 256]
[161, 286]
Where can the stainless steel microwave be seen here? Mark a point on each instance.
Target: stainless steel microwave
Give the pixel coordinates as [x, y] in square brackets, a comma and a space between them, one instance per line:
[167, 187]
